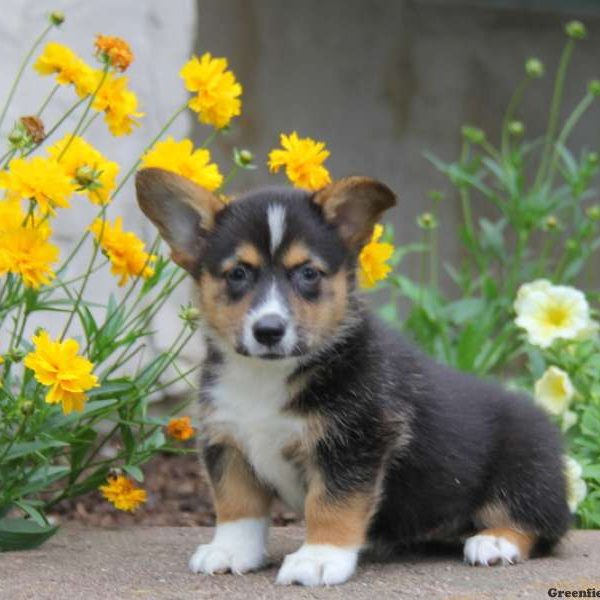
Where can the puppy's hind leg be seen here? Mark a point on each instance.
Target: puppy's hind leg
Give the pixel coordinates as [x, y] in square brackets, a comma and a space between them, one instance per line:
[500, 541]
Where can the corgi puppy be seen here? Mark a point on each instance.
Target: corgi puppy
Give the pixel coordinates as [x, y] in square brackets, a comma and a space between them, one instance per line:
[307, 397]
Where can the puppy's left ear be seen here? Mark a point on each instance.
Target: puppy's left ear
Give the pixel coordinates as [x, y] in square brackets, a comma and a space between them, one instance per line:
[354, 205]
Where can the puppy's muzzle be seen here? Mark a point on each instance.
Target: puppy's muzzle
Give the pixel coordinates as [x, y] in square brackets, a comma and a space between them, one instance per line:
[269, 330]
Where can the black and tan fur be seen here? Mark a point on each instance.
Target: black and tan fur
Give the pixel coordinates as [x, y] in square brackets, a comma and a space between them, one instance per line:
[392, 448]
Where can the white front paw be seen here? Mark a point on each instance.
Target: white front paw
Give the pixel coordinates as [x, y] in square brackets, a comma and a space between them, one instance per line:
[237, 547]
[316, 564]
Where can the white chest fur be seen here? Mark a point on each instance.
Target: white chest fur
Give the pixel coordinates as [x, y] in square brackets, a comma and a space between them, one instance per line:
[248, 398]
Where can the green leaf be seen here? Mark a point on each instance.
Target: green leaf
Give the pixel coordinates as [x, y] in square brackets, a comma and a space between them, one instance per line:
[33, 512]
[464, 310]
[153, 442]
[135, 472]
[24, 448]
[23, 534]
[42, 477]
[116, 388]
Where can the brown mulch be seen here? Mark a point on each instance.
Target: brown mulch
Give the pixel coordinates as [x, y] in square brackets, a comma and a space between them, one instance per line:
[177, 496]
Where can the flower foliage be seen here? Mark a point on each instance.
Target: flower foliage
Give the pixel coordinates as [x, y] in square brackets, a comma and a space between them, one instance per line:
[25, 249]
[123, 493]
[124, 249]
[40, 179]
[115, 51]
[373, 260]
[181, 158]
[303, 160]
[87, 168]
[180, 428]
[58, 366]
[549, 312]
[217, 99]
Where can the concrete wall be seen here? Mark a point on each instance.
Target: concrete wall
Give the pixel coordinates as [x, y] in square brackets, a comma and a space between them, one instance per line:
[161, 34]
[383, 80]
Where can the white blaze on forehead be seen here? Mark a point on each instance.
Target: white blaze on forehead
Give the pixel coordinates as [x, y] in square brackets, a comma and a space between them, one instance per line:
[276, 218]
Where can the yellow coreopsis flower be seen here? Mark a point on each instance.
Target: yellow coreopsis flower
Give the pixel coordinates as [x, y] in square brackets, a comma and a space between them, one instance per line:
[27, 252]
[554, 391]
[549, 312]
[59, 60]
[217, 99]
[180, 428]
[181, 158]
[303, 160]
[115, 50]
[373, 259]
[118, 103]
[41, 179]
[124, 249]
[59, 366]
[87, 167]
[122, 493]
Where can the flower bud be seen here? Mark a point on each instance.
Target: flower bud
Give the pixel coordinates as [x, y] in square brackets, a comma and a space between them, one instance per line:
[190, 315]
[576, 30]
[243, 158]
[34, 127]
[18, 137]
[516, 128]
[593, 159]
[594, 87]
[56, 17]
[571, 245]
[551, 223]
[427, 221]
[534, 68]
[27, 407]
[593, 212]
[473, 134]
[15, 355]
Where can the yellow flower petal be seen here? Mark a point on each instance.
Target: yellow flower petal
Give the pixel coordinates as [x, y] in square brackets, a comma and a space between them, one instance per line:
[303, 160]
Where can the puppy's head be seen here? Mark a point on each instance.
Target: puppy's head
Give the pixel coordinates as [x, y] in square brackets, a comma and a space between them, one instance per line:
[275, 268]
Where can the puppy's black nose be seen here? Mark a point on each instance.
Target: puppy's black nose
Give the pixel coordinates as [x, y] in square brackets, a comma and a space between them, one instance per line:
[269, 330]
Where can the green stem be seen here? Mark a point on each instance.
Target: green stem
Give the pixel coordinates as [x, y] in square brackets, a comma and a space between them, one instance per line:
[229, 177]
[89, 123]
[554, 111]
[14, 438]
[157, 137]
[87, 276]
[21, 70]
[570, 123]
[47, 100]
[85, 112]
[510, 111]
[210, 139]
[57, 125]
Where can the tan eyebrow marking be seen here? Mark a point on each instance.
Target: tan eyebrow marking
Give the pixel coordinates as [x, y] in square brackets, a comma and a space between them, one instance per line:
[298, 254]
[246, 253]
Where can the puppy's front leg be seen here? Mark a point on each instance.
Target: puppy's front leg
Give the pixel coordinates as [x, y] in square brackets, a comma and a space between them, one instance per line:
[242, 505]
[336, 531]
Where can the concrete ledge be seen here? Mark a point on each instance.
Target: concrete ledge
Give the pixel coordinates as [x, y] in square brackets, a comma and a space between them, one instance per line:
[151, 563]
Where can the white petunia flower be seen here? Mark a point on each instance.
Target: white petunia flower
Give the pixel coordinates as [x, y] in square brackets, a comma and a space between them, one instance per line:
[554, 391]
[576, 487]
[549, 312]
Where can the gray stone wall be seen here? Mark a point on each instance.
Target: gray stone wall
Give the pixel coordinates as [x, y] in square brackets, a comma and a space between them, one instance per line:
[382, 80]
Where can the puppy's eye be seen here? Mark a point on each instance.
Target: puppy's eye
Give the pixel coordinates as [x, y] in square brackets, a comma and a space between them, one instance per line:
[240, 279]
[309, 274]
[306, 279]
[238, 274]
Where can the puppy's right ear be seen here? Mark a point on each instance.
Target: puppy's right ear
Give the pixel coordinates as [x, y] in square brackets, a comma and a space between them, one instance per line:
[183, 212]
